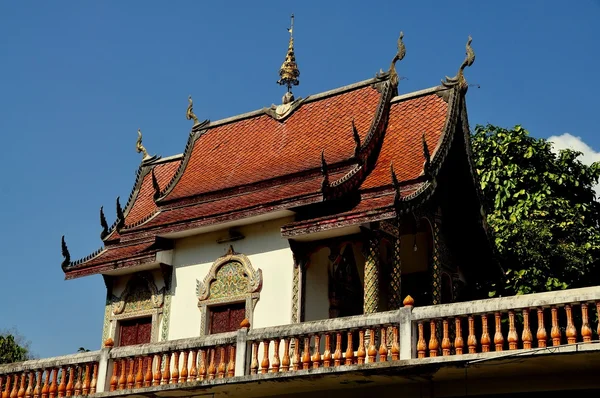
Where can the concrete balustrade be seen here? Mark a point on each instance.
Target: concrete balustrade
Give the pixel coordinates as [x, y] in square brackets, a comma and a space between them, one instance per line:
[404, 337]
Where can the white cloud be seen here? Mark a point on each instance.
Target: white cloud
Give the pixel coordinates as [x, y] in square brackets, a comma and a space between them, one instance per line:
[569, 141]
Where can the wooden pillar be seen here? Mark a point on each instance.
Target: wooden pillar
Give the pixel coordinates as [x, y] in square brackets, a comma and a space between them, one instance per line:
[436, 259]
[371, 278]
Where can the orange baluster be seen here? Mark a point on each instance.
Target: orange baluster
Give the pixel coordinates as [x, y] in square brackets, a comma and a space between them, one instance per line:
[555, 331]
[158, 371]
[361, 353]
[306, 354]
[38, 384]
[166, 374]
[541, 335]
[62, 387]
[5, 393]
[53, 387]
[15, 390]
[513, 337]
[264, 364]
[254, 363]
[1, 385]
[433, 341]
[212, 368]
[70, 384]
[29, 390]
[21, 392]
[349, 360]
[114, 379]
[94, 381]
[221, 368]
[148, 373]
[131, 373]
[86, 377]
[586, 331]
[472, 339]
[337, 355]
[78, 384]
[526, 336]
[296, 355]
[498, 337]
[175, 371]
[445, 339]
[231, 364]
[276, 361]
[395, 350]
[123, 376]
[327, 353]
[285, 361]
[570, 331]
[316, 357]
[485, 336]
[183, 375]
[45, 387]
[458, 340]
[383, 350]
[194, 368]
[372, 349]
[139, 375]
[421, 345]
[202, 370]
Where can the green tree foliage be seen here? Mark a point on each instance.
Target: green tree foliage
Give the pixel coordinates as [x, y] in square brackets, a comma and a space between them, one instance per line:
[12, 349]
[544, 211]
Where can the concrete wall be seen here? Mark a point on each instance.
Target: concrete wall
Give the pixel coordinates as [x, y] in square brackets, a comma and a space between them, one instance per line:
[264, 247]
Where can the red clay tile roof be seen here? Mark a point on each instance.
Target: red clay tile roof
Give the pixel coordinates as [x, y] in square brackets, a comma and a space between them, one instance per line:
[261, 148]
[144, 204]
[402, 144]
[256, 164]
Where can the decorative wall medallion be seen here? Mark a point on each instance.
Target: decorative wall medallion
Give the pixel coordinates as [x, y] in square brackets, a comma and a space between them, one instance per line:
[140, 294]
[230, 279]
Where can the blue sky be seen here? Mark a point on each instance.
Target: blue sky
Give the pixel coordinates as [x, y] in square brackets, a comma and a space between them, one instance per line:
[77, 79]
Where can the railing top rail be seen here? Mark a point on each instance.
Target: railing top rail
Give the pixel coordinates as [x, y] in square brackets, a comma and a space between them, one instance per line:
[326, 325]
[54, 362]
[586, 294]
[173, 345]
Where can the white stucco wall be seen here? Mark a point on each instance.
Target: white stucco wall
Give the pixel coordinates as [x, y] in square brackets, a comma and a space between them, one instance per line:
[264, 247]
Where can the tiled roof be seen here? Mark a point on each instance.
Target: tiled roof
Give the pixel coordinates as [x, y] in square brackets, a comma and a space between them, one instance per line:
[402, 144]
[261, 148]
[255, 164]
[144, 204]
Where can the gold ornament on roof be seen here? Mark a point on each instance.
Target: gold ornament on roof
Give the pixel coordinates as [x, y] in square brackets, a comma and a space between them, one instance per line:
[140, 148]
[289, 72]
[398, 57]
[190, 111]
[460, 76]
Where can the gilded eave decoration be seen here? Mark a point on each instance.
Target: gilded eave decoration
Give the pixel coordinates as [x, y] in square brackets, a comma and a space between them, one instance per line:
[242, 278]
[144, 278]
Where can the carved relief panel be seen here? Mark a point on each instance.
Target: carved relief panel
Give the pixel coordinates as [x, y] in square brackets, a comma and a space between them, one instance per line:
[230, 280]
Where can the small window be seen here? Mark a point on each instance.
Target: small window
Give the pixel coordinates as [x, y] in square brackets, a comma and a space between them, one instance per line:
[135, 331]
[226, 318]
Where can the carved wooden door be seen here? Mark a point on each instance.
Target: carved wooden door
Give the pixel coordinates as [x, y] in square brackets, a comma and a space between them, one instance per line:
[226, 318]
[135, 331]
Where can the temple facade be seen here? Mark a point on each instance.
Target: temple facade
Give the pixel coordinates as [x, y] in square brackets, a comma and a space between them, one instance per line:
[338, 204]
[330, 243]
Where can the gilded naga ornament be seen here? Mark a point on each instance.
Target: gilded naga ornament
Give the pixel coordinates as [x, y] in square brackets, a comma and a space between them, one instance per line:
[398, 57]
[190, 111]
[289, 72]
[460, 76]
[140, 148]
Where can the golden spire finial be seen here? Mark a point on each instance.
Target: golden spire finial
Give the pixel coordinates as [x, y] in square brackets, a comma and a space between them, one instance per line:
[289, 71]
[398, 57]
[140, 148]
[190, 111]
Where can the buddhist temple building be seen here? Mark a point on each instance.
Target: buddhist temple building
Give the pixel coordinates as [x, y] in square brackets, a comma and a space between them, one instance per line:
[332, 242]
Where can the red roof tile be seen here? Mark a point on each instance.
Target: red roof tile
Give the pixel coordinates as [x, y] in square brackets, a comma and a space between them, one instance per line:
[144, 204]
[408, 121]
[261, 148]
[120, 252]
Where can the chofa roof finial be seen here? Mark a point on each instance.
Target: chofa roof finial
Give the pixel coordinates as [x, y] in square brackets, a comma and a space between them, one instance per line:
[394, 78]
[289, 72]
[190, 111]
[103, 224]
[460, 76]
[65, 253]
[140, 148]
